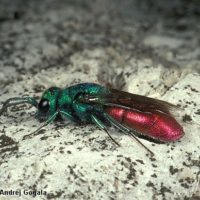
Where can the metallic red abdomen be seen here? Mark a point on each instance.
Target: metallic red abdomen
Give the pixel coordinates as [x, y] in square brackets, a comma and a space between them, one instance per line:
[154, 124]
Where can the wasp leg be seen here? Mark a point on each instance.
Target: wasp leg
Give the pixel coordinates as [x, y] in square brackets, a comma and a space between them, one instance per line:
[68, 116]
[125, 130]
[45, 124]
[102, 126]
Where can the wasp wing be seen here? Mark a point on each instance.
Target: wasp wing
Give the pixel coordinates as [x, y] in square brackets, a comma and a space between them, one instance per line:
[127, 100]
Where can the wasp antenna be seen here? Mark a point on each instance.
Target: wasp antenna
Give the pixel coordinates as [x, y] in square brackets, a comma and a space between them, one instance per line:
[16, 101]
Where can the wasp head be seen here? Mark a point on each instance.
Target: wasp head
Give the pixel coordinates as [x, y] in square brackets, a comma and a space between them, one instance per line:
[48, 103]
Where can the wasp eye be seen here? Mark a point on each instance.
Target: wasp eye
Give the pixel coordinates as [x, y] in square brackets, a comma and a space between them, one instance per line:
[44, 105]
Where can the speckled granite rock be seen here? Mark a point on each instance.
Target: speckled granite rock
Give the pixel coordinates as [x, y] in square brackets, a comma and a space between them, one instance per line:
[145, 48]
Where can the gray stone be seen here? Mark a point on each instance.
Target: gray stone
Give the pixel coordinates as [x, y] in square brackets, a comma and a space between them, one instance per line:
[149, 48]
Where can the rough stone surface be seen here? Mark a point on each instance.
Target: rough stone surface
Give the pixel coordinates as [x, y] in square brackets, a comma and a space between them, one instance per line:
[150, 48]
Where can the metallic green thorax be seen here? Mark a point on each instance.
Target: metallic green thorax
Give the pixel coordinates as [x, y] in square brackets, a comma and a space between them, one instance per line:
[66, 102]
